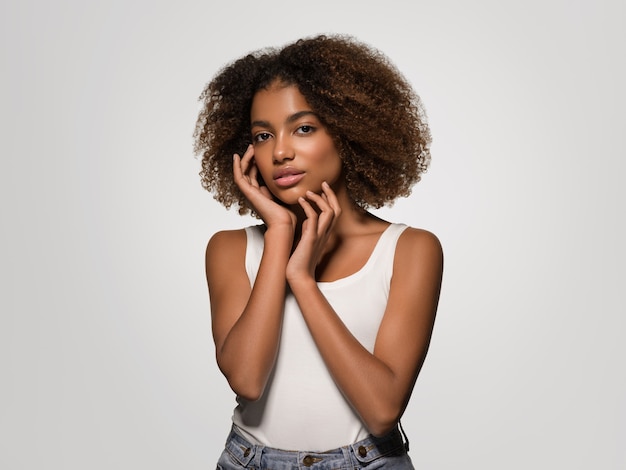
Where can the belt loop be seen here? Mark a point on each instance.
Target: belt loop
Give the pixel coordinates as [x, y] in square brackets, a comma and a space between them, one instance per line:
[348, 456]
[259, 450]
[406, 439]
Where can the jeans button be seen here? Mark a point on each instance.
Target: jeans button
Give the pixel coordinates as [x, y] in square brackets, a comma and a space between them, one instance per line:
[307, 461]
[246, 452]
[362, 451]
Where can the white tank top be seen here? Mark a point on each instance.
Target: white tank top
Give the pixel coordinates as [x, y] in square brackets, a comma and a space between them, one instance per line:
[302, 408]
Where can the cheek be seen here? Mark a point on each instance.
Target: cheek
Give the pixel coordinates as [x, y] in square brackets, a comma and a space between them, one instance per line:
[332, 160]
[326, 153]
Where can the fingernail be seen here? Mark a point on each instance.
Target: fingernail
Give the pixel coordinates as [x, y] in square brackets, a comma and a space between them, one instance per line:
[325, 184]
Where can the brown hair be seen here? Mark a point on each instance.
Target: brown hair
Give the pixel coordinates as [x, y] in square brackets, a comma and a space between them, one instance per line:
[375, 118]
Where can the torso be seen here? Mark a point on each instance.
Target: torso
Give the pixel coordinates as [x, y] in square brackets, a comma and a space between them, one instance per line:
[301, 390]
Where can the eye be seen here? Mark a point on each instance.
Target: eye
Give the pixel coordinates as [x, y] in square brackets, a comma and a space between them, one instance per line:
[305, 129]
[262, 136]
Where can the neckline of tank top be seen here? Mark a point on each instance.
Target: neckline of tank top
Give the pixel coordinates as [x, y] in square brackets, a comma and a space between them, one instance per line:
[370, 260]
[361, 271]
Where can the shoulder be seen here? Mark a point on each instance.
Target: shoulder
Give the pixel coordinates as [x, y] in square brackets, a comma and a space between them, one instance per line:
[419, 249]
[226, 246]
[419, 239]
[227, 239]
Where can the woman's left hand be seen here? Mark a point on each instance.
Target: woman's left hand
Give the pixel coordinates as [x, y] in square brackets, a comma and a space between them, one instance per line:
[316, 230]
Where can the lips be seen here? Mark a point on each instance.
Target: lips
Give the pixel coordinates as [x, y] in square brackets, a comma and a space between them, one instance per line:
[286, 177]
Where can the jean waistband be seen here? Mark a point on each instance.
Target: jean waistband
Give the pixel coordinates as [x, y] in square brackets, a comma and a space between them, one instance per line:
[364, 451]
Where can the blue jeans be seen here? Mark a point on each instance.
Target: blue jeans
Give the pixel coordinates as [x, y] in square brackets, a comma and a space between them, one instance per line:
[386, 452]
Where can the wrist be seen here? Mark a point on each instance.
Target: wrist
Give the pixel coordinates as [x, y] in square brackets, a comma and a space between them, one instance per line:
[279, 231]
[277, 244]
[301, 282]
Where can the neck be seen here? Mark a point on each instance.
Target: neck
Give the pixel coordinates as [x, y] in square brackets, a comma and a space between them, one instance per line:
[350, 220]
[348, 207]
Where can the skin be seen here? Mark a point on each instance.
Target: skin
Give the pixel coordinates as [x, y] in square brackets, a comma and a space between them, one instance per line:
[315, 233]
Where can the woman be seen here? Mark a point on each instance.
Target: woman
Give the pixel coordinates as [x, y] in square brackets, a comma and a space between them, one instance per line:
[323, 314]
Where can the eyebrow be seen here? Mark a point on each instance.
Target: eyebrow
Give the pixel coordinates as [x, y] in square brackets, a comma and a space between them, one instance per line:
[289, 120]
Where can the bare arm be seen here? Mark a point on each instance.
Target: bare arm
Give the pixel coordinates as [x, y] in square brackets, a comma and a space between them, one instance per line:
[378, 385]
[247, 320]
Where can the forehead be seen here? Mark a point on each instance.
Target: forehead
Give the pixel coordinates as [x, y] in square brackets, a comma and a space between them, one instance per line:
[277, 102]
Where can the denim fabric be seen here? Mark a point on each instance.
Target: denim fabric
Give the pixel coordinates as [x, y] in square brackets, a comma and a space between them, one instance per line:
[371, 453]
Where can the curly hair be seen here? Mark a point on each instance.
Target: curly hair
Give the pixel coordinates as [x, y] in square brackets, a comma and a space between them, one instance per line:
[375, 118]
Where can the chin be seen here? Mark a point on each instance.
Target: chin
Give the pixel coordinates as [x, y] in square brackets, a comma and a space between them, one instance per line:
[289, 196]
[289, 200]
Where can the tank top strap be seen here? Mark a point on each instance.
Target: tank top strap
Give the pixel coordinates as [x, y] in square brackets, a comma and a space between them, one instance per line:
[383, 256]
[254, 250]
[386, 246]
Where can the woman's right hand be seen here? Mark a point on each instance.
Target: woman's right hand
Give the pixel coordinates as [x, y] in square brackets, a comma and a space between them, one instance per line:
[245, 173]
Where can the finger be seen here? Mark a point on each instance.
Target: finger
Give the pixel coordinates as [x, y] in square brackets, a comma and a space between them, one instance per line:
[309, 211]
[247, 159]
[241, 179]
[327, 214]
[318, 200]
[237, 173]
[331, 198]
[252, 173]
[311, 216]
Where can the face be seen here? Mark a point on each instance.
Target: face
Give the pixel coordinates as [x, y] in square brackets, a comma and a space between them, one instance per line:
[292, 149]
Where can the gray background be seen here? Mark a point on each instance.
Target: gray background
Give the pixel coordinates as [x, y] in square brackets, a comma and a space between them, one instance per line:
[105, 351]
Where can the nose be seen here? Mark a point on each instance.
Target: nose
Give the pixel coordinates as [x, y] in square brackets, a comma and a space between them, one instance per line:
[282, 149]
